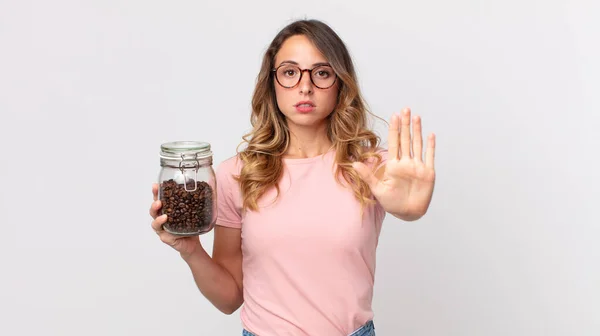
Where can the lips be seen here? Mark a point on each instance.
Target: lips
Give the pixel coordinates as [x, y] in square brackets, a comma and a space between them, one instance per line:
[306, 103]
[305, 107]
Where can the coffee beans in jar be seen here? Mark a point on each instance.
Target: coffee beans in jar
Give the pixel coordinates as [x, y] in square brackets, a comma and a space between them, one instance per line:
[187, 211]
[187, 187]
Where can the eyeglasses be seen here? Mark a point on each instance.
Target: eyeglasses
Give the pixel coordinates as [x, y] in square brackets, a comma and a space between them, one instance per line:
[289, 75]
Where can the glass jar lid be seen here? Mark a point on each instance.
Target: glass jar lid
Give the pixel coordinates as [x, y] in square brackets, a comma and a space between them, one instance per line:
[185, 150]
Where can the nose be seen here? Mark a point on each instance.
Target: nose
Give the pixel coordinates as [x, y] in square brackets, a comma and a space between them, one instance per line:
[305, 85]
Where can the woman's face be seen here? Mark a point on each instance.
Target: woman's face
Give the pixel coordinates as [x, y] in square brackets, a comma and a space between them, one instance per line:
[304, 104]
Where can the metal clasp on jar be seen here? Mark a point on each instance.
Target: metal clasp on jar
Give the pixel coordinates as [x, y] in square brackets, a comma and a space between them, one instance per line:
[182, 168]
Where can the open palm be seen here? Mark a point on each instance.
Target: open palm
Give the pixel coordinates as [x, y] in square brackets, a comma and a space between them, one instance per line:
[405, 185]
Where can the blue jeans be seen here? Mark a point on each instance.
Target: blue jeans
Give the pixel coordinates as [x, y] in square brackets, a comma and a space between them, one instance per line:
[368, 329]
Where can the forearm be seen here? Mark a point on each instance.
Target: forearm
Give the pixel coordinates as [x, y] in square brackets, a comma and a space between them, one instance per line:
[214, 282]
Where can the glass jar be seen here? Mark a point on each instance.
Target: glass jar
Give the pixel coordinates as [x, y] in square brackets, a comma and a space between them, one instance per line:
[187, 188]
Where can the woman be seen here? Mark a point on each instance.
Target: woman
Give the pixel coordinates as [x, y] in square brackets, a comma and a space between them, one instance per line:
[300, 208]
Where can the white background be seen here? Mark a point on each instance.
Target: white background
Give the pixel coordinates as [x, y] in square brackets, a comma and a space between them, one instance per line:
[89, 90]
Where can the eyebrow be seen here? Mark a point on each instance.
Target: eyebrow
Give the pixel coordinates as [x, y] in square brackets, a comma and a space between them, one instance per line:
[296, 63]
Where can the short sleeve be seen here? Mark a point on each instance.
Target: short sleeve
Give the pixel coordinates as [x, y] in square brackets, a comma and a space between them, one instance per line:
[229, 203]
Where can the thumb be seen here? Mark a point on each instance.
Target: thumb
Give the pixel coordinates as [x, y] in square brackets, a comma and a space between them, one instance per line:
[365, 174]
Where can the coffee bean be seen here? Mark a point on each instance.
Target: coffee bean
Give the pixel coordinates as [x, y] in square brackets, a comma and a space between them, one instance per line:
[188, 212]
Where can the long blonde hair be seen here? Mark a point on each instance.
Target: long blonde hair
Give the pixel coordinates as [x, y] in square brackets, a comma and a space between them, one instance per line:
[269, 138]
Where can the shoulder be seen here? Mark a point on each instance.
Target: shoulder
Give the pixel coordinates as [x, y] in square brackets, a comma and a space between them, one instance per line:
[229, 166]
[229, 200]
[226, 173]
[381, 151]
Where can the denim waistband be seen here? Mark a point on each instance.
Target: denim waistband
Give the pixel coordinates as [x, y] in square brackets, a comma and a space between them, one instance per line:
[367, 329]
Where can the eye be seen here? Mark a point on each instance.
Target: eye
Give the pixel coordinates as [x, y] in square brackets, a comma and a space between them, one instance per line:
[288, 72]
[323, 73]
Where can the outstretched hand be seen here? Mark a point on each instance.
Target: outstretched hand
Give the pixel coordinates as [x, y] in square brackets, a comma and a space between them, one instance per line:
[404, 187]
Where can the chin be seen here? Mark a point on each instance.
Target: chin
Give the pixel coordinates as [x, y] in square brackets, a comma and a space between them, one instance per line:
[306, 119]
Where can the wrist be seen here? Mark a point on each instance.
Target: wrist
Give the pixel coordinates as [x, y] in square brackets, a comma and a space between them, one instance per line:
[407, 216]
[195, 254]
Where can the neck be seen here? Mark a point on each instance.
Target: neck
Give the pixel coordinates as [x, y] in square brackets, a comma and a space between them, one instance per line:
[306, 142]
